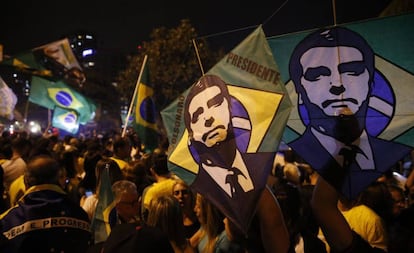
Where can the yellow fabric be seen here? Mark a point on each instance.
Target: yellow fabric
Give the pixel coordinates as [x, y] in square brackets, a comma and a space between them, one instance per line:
[162, 188]
[121, 163]
[16, 190]
[368, 225]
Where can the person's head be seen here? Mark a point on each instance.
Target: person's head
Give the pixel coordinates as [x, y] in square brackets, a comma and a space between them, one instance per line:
[6, 151]
[289, 156]
[42, 169]
[114, 171]
[377, 197]
[399, 199]
[165, 213]
[126, 200]
[207, 111]
[21, 146]
[70, 160]
[183, 194]
[138, 172]
[91, 159]
[339, 64]
[209, 216]
[159, 163]
[122, 147]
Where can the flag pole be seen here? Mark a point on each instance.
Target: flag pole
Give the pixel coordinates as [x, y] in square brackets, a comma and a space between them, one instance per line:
[198, 57]
[334, 11]
[134, 95]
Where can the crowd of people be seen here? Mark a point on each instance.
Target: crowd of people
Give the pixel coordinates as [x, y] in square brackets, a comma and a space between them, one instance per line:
[52, 188]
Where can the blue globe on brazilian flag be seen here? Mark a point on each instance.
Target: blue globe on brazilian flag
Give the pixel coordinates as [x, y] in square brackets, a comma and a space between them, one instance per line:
[65, 119]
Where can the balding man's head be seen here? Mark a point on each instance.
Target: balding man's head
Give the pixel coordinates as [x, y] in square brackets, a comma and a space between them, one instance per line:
[42, 170]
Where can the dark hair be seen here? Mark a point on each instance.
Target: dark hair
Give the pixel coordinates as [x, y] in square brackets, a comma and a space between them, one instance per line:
[115, 172]
[21, 145]
[120, 143]
[159, 162]
[202, 84]
[331, 37]
[42, 169]
[5, 148]
[377, 197]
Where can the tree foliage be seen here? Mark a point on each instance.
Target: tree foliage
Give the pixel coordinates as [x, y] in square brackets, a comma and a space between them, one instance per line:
[173, 63]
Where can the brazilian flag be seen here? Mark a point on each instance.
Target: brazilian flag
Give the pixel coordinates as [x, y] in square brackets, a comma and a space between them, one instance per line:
[145, 113]
[52, 94]
[105, 213]
[66, 119]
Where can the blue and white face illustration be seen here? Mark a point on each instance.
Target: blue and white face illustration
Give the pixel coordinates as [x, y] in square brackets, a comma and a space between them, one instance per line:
[342, 80]
[210, 116]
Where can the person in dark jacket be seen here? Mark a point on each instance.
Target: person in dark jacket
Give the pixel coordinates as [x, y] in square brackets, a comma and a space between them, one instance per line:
[44, 219]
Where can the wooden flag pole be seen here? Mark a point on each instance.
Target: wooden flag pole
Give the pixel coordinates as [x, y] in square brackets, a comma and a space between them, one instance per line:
[198, 57]
[134, 95]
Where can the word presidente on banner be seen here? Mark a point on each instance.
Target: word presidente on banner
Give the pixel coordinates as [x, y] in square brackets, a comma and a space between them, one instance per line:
[252, 67]
[63, 222]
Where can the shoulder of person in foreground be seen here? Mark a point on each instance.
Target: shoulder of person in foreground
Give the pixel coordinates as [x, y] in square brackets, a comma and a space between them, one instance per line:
[339, 235]
[274, 233]
[133, 237]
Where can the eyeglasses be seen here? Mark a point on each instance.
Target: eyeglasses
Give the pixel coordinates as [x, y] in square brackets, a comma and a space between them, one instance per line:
[183, 192]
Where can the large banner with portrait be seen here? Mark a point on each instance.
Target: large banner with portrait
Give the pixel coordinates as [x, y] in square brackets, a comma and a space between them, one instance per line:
[225, 130]
[352, 87]
[55, 60]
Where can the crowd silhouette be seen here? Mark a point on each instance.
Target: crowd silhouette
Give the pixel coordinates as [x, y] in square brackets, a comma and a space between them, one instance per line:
[52, 189]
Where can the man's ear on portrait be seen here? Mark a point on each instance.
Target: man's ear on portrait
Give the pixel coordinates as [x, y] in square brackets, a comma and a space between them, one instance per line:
[190, 138]
[300, 101]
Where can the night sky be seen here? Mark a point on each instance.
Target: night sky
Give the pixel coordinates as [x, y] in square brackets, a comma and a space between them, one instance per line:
[124, 24]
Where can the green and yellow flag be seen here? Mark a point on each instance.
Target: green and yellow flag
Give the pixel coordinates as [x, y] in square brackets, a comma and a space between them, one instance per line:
[52, 94]
[225, 130]
[372, 73]
[145, 113]
[66, 119]
[105, 213]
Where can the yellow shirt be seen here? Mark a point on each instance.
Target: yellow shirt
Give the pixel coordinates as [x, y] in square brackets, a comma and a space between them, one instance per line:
[368, 225]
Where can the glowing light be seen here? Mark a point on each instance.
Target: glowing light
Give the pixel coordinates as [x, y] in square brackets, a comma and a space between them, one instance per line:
[87, 52]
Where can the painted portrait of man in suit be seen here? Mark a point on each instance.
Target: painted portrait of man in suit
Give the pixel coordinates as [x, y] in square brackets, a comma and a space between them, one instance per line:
[208, 121]
[334, 74]
[225, 168]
